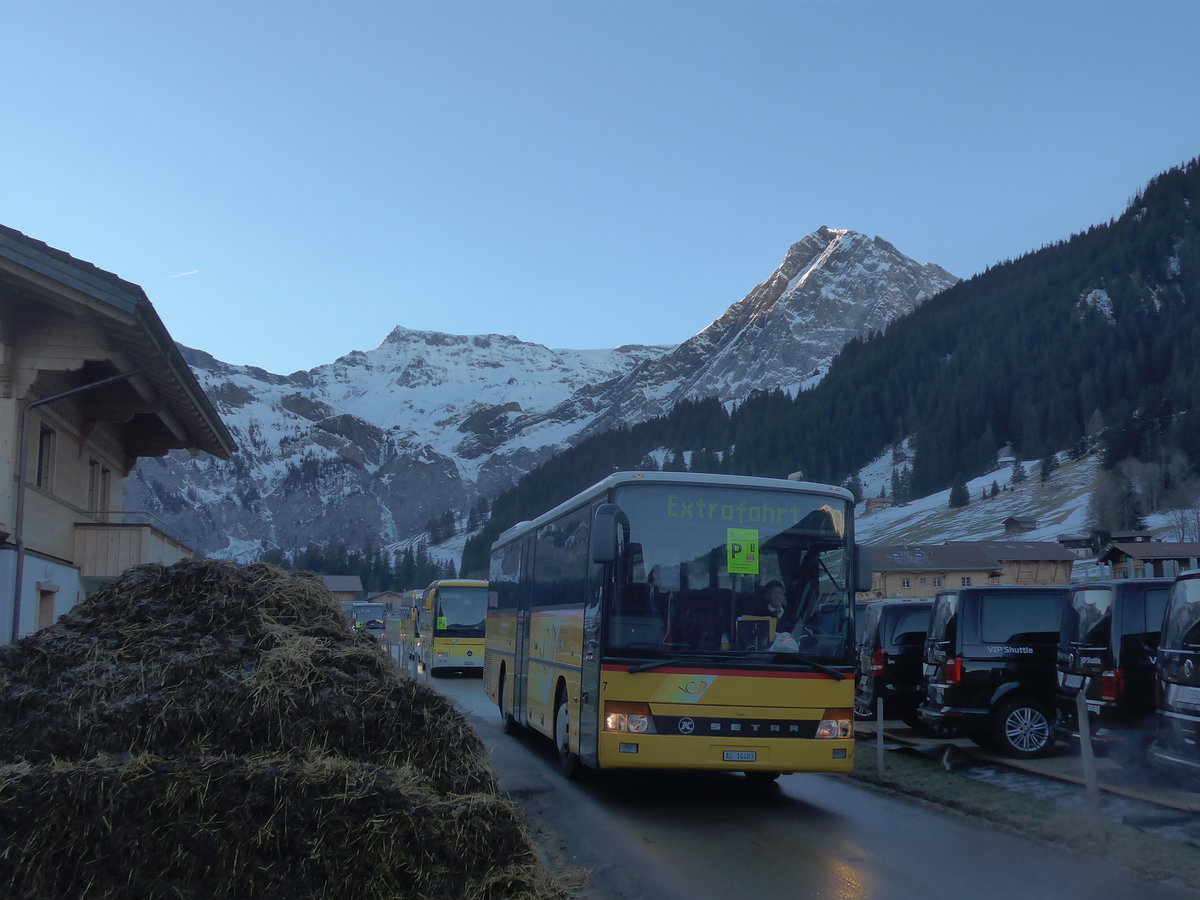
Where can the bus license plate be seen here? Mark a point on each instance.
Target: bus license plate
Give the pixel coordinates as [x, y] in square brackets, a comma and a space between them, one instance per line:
[740, 755]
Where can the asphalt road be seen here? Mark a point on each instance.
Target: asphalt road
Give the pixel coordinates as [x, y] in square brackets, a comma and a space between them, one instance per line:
[666, 835]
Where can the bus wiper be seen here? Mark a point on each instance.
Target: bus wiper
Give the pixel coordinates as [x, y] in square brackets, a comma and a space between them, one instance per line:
[805, 661]
[821, 667]
[655, 663]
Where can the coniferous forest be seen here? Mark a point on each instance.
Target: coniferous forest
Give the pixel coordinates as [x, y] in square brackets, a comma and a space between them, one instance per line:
[1091, 338]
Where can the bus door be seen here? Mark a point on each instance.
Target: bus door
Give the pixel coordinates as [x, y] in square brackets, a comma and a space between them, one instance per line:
[598, 593]
[524, 614]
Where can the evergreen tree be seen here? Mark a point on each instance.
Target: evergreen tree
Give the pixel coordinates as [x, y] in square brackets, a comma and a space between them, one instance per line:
[1018, 472]
[406, 572]
[958, 495]
[1048, 465]
[673, 462]
[854, 486]
[432, 531]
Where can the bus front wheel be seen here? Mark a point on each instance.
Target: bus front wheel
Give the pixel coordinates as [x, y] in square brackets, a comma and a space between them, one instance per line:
[568, 762]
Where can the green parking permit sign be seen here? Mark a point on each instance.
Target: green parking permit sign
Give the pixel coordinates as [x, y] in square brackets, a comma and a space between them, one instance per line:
[741, 547]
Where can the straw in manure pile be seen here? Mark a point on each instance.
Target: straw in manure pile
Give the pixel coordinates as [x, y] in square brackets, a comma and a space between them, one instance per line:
[210, 730]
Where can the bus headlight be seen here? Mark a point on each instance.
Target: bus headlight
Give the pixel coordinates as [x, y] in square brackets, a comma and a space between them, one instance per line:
[628, 718]
[837, 724]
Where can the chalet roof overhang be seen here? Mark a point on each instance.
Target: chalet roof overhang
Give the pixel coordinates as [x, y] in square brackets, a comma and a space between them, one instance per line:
[1151, 550]
[932, 558]
[94, 325]
[1028, 551]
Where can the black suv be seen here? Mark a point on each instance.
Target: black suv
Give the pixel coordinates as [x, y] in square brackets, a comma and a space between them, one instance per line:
[1177, 747]
[890, 651]
[1107, 645]
[990, 666]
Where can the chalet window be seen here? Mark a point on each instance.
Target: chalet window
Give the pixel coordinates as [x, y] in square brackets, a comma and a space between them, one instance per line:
[905, 582]
[93, 498]
[45, 458]
[45, 614]
[937, 582]
[105, 492]
[99, 482]
[966, 581]
[921, 580]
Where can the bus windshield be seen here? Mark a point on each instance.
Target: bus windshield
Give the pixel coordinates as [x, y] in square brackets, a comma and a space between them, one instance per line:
[732, 572]
[461, 611]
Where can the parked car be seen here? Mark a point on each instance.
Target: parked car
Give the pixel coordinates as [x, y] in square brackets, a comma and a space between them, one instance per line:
[1108, 640]
[1177, 745]
[990, 666]
[890, 651]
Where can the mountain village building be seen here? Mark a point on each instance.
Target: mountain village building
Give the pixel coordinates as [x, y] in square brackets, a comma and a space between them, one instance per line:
[393, 601]
[921, 570]
[345, 588]
[1079, 544]
[1019, 524]
[1150, 559]
[90, 381]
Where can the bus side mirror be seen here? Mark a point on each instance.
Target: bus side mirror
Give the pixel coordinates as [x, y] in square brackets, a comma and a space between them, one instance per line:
[604, 533]
[863, 570]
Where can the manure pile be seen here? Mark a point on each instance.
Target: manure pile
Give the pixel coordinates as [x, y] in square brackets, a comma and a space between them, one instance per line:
[210, 730]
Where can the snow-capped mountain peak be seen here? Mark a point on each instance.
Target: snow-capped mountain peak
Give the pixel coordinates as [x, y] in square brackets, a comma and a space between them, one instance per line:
[367, 448]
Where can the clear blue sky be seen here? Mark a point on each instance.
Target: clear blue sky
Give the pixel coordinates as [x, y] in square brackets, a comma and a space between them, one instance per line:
[290, 180]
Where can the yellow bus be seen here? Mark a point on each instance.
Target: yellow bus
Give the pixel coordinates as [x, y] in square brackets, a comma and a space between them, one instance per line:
[632, 625]
[450, 627]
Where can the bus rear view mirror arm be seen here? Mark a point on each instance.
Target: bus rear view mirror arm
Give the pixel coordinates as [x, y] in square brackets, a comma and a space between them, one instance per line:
[604, 533]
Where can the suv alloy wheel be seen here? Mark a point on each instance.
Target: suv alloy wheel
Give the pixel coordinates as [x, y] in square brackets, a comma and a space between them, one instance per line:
[1023, 728]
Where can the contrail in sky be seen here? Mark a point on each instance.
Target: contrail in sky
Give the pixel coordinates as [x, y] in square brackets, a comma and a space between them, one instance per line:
[184, 274]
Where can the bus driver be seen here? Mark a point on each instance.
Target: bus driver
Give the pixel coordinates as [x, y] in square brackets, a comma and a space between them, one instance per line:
[777, 606]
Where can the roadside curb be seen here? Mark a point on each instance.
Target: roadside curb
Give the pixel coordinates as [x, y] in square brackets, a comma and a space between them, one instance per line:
[1061, 767]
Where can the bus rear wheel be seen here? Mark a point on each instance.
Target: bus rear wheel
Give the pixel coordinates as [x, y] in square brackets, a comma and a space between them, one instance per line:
[568, 762]
[508, 723]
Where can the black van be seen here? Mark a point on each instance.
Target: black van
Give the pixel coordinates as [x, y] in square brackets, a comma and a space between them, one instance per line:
[890, 652]
[990, 665]
[1107, 645]
[1177, 746]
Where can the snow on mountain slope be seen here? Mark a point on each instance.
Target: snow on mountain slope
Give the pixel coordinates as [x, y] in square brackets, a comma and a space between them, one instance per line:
[368, 448]
[1059, 505]
[832, 286]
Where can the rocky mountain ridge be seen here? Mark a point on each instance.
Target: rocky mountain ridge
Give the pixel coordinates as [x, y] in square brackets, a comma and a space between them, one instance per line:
[368, 448]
